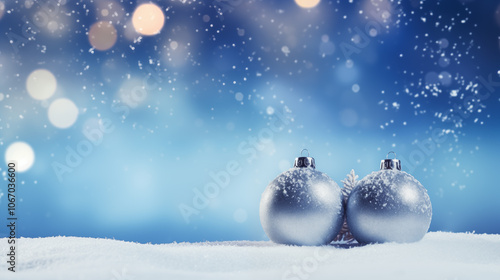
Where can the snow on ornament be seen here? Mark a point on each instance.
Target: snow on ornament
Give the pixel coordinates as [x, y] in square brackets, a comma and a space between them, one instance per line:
[302, 206]
[388, 205]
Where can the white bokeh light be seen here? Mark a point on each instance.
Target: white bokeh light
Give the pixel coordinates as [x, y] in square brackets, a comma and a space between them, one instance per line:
[270, 110]
[238, 96]
[445, 78]
[240, 215]
[148, 19]
[355, 88]
[174, 45]
[22, 154]
[110, 11]
[379, 10]
[28, 4]
[133, 92]
[443, 43]
[62, 113]
[41, 84]
[307, 4]
[178, 54]
[52, 26]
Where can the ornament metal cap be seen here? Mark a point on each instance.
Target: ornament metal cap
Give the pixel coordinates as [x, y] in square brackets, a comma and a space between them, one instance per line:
[302, 162]
[390, 164]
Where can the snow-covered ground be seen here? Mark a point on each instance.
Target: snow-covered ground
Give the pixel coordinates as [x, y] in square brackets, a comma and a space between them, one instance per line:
[438, 256]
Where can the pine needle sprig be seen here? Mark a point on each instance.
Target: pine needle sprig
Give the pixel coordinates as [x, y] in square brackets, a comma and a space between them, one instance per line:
[349, 184]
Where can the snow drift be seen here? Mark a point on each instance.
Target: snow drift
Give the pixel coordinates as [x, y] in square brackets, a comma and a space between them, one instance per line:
[438, 256]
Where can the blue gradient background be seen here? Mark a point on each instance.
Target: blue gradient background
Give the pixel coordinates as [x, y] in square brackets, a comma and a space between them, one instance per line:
[132, 185]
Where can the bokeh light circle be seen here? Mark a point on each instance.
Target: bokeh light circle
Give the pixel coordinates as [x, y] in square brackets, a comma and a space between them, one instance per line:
[355, 88]
[22, 154]
[148, 19]
[444, 61]
[307, 4]
[41, 84]
[2, 9]
[174, 45]
[431, 78]
[102, 35]
[270, 110]
[62, 113]
[52, 26]
[238, 96]
[28, 4]
[443, 43]
[445, 78]
[240, 215]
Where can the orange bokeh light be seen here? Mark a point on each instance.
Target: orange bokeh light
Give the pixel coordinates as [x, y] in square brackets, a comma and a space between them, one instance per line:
[102, 35]
[148, 19]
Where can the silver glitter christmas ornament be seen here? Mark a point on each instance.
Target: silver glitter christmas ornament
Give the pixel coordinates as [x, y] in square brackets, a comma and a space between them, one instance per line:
[302, 206]
[388, 205]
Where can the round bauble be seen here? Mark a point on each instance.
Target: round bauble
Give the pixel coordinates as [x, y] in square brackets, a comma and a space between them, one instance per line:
[302, 206]
[389, 205]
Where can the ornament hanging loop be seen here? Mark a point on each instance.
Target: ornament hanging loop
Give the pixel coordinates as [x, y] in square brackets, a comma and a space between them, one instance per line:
[301, 152]
[302, 161]
[390, 164]
[391, 152]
